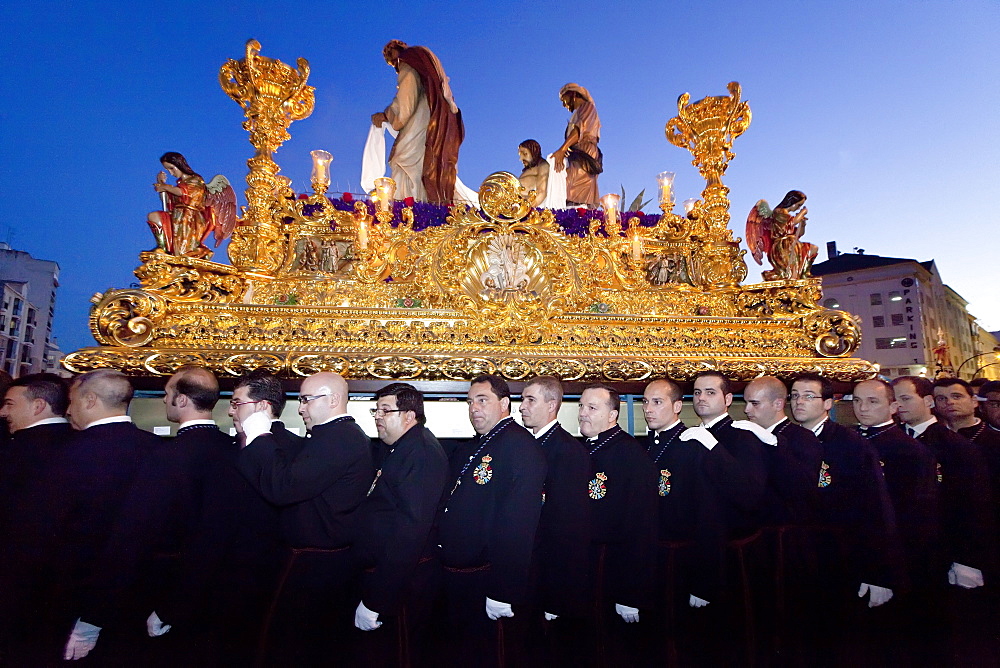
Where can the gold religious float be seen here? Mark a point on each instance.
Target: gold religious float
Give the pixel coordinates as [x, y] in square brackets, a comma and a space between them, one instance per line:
[367, 290]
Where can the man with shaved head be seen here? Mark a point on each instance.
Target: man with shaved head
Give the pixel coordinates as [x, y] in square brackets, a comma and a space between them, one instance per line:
[793, 464]
[98, 472]
[318, 486]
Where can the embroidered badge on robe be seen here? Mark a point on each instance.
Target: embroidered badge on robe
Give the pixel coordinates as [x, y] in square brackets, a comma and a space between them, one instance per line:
[824, 475]
[483, 473]
[596, 487]
[664, 482]
[939, 476]
[378, 474]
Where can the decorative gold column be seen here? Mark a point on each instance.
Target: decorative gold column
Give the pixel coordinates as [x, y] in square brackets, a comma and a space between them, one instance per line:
[272, 95]
[707, 128]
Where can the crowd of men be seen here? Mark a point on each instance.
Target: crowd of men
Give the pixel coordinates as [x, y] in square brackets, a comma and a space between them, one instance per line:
[763, 540]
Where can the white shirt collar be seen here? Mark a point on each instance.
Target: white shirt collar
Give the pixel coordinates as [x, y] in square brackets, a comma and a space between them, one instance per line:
[920, 428]
[545, 429]
[51, 420]
[667, 428]
[714, 421]
[884, 424]
[332, 418]
[109, 420]
[191, 423]
[819, 427]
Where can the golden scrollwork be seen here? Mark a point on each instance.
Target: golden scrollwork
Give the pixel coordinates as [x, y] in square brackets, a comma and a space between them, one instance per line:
[126, 317]
[186, 279]
[835, 333]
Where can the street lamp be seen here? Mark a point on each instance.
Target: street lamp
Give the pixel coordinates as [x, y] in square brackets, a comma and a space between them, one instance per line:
[959, 369]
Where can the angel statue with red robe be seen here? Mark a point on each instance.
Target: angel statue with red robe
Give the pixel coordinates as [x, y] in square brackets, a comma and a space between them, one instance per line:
[192, 210]
[778, 233]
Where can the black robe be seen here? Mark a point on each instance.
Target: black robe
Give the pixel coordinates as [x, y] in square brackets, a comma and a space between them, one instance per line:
[491, 517]
[738, 470]
[793, 495]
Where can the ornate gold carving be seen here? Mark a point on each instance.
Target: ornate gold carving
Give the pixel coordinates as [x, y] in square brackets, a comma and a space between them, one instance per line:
[836, 333]
[186, 279]
[126, 317]
[504, 291]
[272, 95]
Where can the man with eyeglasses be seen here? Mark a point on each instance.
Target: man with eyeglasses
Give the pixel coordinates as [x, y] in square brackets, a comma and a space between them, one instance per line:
[860, 552]
[318, 487]
[395, 521]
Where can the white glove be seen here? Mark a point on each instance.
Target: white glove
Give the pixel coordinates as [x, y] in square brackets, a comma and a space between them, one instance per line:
[81, 641]
[495, 609]
[155, 626]
[879, 595]
[630, 615]
[549, 616]
[965, 577]
[696, 602]
[365, 619]
[757, 430]
[700, 434]
[258, 423]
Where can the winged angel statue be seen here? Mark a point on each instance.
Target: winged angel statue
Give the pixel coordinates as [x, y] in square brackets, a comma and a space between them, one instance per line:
[192, 209]
[778, 232]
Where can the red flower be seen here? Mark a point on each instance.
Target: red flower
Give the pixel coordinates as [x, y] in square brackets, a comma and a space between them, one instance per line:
[348, 197]
[409, 201]
[303, 196]
[582, 211]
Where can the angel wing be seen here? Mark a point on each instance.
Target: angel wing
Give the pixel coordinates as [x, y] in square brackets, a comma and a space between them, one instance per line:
[759, 230]
[222, 198]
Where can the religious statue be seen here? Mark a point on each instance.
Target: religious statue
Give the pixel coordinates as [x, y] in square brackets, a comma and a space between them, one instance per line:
[192, 209]
[536, 170]
[778, 233]
[424, 157]
[579, 154]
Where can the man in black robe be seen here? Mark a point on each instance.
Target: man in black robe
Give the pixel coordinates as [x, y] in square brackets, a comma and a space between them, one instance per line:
[487, 528]
[563, 593]
[623, 512]
[34, 410]
[318, 484]
[395, 522]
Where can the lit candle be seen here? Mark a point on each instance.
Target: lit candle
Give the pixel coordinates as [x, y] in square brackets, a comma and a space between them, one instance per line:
[636, 246]
[666, 180]
[610, 203]
[385, 189]
[321, 168]
[689, 205]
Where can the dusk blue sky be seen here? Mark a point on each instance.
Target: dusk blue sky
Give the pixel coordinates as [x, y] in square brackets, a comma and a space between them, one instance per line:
[884, 113]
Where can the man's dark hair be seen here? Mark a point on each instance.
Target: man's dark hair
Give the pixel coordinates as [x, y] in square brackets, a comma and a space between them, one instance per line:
[949, 382]
[825, 384]
[408, 398]
[262, 385]
[46, 386]
[203, 397]
[989, 387]
[922, 386]
[614, 399]
[727, 387]
[534, 150]
[497, 384]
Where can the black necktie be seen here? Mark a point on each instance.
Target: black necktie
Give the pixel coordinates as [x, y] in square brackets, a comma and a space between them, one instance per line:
[910, 431]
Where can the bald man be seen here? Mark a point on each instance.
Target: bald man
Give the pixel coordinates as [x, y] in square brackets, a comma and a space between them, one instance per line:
[793, 466]
[318, 488]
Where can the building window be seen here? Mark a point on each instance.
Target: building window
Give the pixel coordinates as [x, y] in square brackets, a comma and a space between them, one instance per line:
[897, 318]
[876, 298]
[894, 296]
[831, 302]
[878, 321]
[888, 344]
